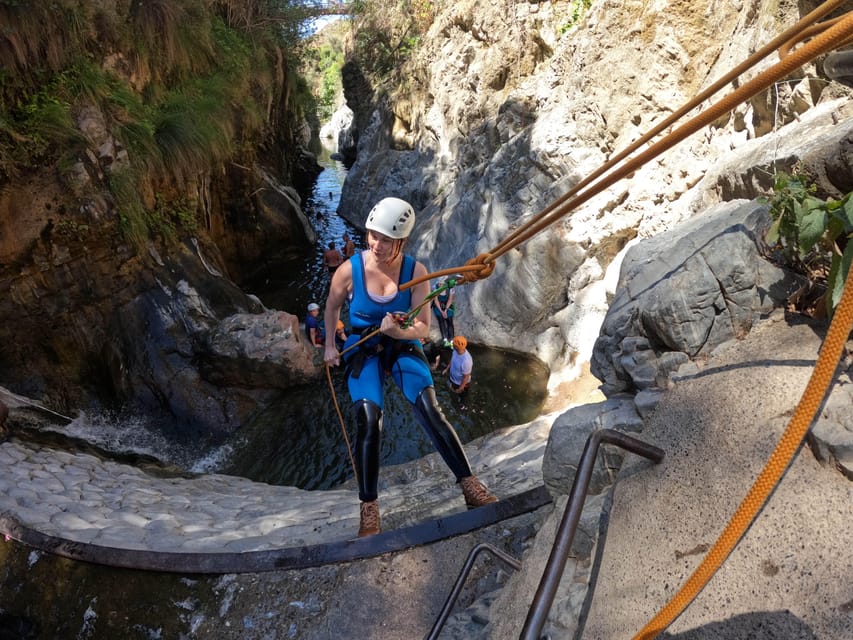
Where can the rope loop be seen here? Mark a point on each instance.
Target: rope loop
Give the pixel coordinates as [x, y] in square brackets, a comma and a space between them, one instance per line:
[483, 268]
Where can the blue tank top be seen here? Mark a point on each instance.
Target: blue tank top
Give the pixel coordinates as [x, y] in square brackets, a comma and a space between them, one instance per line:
[364, 311]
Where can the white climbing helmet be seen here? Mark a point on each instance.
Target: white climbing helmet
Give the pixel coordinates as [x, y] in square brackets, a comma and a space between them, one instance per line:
[391, 217]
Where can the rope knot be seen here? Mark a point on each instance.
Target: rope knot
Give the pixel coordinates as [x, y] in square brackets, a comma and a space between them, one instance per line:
[484, 269]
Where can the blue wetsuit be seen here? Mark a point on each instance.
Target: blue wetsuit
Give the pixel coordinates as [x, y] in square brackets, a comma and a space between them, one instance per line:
[367, 368]
[381, 355]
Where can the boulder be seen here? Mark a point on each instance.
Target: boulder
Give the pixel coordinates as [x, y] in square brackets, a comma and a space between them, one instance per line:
[258, 351]
[685, 292]
[569, 434]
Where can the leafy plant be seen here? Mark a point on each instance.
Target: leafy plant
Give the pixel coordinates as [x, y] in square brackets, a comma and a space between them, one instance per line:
[175, 216]
[38, 128]
[72, 230]
[812, 234]
[182, 86]
[577, 10]
[383, 43]
[134, 219]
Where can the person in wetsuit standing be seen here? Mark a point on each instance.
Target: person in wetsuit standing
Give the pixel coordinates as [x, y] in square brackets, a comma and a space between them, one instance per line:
[373, 277]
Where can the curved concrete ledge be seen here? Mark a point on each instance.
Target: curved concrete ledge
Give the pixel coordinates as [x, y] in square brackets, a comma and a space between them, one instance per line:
[280, 559]
[84, 507]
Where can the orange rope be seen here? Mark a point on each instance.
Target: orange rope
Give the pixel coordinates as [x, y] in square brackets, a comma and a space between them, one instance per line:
[826, 41]
[830, 35]
[788, 36]
[806, 33]
[827, 362]
[341, 419]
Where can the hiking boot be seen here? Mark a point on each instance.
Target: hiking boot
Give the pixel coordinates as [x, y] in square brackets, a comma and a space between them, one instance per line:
[369, 519]
[476, 495]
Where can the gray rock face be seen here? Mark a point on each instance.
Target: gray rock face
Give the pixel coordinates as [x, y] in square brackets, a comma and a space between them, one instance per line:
[831, 437]
[258, 351]
[684, 293]
[719, 428]
[569, 434]
[507, 105]
[338, 134]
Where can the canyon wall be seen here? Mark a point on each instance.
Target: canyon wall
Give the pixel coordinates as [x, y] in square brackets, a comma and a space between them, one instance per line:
[505, 106]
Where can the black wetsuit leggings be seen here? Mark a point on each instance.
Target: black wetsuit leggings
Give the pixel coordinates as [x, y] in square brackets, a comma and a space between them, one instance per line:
[369, 438]
[445, 326]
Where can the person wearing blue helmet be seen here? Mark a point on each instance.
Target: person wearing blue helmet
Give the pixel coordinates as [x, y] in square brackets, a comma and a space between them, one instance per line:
[371, 279]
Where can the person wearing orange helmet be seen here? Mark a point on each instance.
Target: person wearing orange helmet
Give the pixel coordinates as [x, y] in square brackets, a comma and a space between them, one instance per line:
[461, 365]
[340, 335]
[371, 281]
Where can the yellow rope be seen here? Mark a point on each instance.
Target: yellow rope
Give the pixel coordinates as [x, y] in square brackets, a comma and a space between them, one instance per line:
[832, 34]
[830, 355]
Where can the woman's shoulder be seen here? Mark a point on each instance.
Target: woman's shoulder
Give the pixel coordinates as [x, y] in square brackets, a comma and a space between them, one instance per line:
[420, 269]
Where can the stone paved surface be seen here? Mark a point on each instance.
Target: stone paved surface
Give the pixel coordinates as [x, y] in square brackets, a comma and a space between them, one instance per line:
[83, 498]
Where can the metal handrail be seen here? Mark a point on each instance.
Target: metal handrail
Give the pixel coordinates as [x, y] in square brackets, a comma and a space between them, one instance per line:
[460, 581]
[544, 598]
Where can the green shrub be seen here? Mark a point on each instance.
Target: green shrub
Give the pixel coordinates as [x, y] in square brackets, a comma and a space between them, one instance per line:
[183, 86]
[175, 217]
[577, 10]
[134, 219]
[812, 234]
[72, 230]
[386, 39]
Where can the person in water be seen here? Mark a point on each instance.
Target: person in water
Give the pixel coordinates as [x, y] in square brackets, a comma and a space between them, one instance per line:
[313, 328]
[349, 246]
[332, 258]
[444, 309]
[461, 365]
[372, 277]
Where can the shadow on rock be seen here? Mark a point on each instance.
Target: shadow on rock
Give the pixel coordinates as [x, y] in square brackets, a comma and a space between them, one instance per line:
[763, 625]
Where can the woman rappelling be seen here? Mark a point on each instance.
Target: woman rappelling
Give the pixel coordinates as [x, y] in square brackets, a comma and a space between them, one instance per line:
[380, 309]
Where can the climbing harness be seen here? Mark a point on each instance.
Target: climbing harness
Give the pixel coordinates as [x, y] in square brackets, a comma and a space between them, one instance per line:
[404, 319]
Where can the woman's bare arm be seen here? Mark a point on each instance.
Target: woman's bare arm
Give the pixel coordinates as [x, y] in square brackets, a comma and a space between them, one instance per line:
[341, 283]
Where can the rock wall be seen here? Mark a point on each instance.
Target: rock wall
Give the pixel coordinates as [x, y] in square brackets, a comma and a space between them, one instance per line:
[507, 105]
[106, 301]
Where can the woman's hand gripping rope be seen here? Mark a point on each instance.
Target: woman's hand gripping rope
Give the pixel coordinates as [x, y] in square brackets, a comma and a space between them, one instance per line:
[403, 320]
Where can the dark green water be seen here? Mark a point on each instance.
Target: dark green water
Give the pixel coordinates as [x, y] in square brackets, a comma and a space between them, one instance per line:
[298, 441]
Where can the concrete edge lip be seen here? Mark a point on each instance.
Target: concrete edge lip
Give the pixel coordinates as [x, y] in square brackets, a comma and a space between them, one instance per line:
[280, 559]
